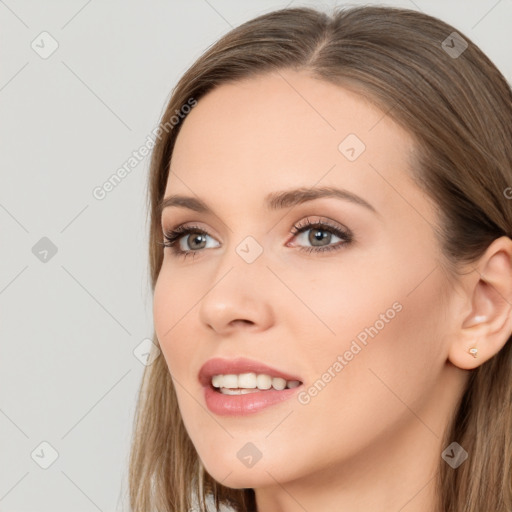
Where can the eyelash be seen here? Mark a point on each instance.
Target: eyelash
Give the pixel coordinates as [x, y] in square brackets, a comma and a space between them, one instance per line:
[173, 236]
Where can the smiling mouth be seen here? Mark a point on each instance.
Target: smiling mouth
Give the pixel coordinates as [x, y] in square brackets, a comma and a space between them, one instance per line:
[246, 383]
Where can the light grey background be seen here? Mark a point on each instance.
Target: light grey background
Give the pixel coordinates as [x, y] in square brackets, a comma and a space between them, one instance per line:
[69, 325]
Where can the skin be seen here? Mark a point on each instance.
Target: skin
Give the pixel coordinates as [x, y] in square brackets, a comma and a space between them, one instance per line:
[372, 438]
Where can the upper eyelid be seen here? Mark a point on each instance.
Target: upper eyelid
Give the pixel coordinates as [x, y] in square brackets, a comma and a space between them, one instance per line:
[322, 221]
[297, 228]
[186, 226]
[303, 222]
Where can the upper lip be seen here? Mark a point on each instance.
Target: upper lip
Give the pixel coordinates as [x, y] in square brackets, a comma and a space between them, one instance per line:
[219, 366]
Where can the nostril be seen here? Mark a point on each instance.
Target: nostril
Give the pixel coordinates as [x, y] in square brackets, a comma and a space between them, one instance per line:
[242, 321]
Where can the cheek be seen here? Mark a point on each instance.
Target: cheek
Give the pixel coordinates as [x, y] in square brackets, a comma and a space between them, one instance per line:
[173, 312]
[388, 302]
[387, 352]
[173, 301]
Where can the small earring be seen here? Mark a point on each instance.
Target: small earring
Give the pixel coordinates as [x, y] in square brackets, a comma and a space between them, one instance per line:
[473, 351]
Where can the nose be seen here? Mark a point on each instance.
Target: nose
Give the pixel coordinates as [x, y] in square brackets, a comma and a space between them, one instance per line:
[238, 298]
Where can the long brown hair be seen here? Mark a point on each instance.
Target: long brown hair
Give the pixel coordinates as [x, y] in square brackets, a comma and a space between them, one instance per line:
[458, 107]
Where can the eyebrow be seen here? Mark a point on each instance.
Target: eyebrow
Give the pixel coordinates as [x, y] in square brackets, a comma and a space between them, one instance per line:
[274, 200]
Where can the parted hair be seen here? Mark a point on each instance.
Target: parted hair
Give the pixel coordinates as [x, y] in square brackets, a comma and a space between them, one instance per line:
[458, 108]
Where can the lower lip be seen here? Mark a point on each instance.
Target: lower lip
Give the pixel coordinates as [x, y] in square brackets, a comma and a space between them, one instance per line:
[248, 403]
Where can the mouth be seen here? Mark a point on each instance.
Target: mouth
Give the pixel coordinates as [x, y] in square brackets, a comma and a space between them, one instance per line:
[242, 386]
[244, 383]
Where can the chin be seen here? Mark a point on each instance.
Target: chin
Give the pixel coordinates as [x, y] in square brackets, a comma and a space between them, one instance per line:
[241, 478]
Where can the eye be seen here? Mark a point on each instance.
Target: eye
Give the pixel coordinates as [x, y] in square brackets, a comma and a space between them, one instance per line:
[321, 235]
[193, 236]
[190, 240]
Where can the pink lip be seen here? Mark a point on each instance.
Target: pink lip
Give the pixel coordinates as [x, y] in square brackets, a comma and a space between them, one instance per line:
[235, 405]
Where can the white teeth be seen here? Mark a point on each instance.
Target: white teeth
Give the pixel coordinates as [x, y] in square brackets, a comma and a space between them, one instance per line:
[227, 391]
[250, 382]
[247, 380]
[264, 381]
[230, 381]
[216, 381]
[278, 383]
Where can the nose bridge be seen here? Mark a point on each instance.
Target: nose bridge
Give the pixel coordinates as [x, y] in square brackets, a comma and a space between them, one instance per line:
[245, 255]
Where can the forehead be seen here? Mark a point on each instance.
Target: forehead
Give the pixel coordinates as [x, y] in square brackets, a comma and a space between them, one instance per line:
[287, 129]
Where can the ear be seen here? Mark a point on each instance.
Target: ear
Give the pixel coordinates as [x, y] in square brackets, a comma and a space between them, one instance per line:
[488, 324]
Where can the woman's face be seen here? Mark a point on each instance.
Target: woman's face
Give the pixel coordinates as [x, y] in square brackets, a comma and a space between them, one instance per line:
[355, 307]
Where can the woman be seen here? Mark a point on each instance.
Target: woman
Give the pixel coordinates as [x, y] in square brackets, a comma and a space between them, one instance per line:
[331, 266]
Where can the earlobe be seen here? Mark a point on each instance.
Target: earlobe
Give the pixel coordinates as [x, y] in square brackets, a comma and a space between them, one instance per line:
[486, 329]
